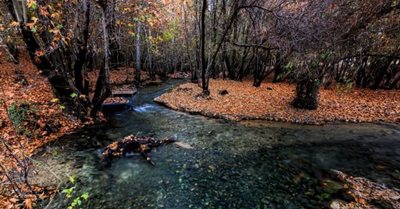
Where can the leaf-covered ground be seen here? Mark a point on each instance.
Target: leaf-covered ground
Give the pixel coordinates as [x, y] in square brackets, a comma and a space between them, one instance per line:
[272, 101]
[29, 87]
[38, 119]
[24, 91]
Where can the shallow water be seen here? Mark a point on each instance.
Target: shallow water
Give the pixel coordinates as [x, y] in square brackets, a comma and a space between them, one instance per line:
[253, 164]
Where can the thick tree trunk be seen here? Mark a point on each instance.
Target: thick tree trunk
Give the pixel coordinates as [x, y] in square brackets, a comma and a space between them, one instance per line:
[14, 51]
[307, 91]
[380, 72]
[103, 88]
[82, 48]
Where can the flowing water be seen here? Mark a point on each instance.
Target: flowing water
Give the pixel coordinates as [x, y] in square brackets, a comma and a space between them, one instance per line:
[232, 164]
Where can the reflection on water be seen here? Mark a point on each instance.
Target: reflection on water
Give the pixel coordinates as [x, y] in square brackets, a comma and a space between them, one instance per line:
[233, 165]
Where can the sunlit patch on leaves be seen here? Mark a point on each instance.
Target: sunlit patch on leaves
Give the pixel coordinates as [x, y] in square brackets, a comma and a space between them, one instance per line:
[72, 179]
[39, 53]
[74, 95]
[32, 4]
[14, 24]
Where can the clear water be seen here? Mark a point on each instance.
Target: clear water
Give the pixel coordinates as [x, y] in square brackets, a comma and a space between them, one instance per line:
[232, 165]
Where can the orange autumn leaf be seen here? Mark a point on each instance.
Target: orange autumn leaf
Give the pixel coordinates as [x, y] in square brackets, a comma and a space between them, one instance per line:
[39, 53]
[28, 204]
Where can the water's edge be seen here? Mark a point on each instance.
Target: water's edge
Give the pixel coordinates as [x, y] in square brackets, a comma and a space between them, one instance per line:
[247, 164]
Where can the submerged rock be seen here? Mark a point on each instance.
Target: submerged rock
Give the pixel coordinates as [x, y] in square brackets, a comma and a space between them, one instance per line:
[339, 204]
[183, 145]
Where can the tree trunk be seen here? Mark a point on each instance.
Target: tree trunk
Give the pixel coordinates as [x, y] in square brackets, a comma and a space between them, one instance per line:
[278, 68]
[103, 88]
[307, 91]
[115, 55]
[82, 48]
[203, 67]
[152, 73]
[138, 52]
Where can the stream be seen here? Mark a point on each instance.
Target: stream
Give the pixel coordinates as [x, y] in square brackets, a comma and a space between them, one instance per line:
[250, 164]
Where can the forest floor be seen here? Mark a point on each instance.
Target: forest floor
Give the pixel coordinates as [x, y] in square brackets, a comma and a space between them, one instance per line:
[29, 111]
[27, 95]
[272, 101]
[31, 116]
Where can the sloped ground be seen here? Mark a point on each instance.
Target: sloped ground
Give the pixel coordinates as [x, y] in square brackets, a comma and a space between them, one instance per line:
[27, 95]
[30, 88]
[273, 102]
[36, 113]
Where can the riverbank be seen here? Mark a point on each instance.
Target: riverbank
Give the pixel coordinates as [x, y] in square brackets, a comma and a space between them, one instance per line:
[272, 101]
[30, 117]
[233, 157]
[38, 115]
[30, 113]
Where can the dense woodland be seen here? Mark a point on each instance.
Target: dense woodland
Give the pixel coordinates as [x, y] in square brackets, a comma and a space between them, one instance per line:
[78, 44]
[313, 43]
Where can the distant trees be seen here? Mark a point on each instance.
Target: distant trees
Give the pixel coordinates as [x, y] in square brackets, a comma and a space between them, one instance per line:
[312, 43]
[344, 42]
[66, 39]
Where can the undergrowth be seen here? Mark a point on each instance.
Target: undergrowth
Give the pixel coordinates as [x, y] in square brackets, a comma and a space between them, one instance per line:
[24, 118]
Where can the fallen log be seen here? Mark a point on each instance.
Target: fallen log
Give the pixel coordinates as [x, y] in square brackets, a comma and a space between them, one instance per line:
[134, 144]
[366, 194]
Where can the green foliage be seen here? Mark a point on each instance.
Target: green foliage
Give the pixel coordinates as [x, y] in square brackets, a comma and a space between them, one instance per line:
[327, 55]
[34, 29]
[287, 69]
[347, 85]
[32, 5]
[167, 36]
[77, 200]
[314, 64]
[72, 179]
[289, 66]
[170, 33]
[23, 117]
[68, 192]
